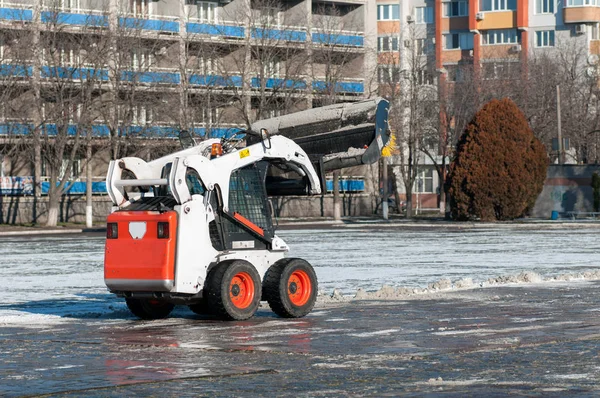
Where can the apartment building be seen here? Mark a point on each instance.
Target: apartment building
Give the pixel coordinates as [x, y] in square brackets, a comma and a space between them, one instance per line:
[491, 39]
[131, 73]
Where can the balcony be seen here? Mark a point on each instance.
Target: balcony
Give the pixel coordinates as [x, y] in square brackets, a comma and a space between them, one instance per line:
[350, 86]
[343, 38]
[16, 12]
[277, 83]
[498, 20]
[581, 14]
[224, 31]
[281, 34]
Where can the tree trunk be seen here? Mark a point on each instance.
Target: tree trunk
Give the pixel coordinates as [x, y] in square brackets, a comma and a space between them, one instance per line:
[52, 220]
[409, 203]
[337, 204]
[88, 187]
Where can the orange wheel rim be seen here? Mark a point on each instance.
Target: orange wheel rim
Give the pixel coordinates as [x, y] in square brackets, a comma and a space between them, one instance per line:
[241, 290]
[299, 288]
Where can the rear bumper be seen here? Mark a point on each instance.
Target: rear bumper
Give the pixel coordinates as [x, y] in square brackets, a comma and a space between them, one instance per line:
[139, 285]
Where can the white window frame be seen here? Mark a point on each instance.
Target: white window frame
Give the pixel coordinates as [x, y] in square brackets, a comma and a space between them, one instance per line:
[273, 68]
[145, 8]
[210, 116]
[545, 38]
[499, 37]
[421, 46]
[70, 5]
[424, 176]
[463, 8]
[465, 41]
[207, 11]
[388, 74]
[206, 64]
[424, 15]
[142, 59]
[498, 5]
[388, 44]
[547, 7]
[141, 115]
[270, 16]
[390, 11]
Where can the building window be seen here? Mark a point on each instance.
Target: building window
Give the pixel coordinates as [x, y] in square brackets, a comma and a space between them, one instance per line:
[139, 7]
[141, 59]
[209, 116]
[141, 115]
[423, 77]
[576, 3]
[544, 6]
[544, 38]
[272, 67]
[595, 35]
[454, 41]
[388, 12]
[456, 9]
[69, 5]
[499, 36]
[388, 74]
[498, 5]
[206, 64]
[269, 16]
[206, 11]
[421, 47]
[424, 14]
[387, 43]
[424, 181]
[500, 70]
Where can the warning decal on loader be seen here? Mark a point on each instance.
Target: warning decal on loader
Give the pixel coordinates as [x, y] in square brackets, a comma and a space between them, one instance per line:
[244, 153]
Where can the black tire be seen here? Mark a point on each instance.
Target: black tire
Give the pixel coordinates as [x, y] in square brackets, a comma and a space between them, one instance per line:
[201, 307]
[232, 290]
[286, 297]
[149, 309]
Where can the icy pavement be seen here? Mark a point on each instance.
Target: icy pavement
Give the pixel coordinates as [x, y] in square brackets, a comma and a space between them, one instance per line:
[62, 276]
[62, 333]
[499, 341]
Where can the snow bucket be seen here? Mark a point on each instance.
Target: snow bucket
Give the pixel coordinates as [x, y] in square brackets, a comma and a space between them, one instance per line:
[554, 215]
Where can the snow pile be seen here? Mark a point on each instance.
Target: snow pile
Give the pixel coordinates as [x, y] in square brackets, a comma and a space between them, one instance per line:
[391, 293]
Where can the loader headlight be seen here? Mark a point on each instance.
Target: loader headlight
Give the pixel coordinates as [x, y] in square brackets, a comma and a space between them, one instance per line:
[112, 230]
[162, 231]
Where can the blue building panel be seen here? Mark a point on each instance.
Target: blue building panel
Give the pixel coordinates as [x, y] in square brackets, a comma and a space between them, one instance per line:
[274, 83]
[16, 14]
[65, 18]
[151, 77]
[215, 81]
[216, 30]
[7, 129]
[340, 87]
[149, 24]
[347, 185]
[77, 187]
[61, 72]
[338, 40]
[15, 70]
[276, 34]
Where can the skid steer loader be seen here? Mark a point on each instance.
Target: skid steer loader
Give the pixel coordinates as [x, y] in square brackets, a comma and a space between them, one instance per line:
[195, 227]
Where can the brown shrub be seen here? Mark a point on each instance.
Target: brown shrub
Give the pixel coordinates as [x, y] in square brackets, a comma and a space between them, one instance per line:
[500, 166]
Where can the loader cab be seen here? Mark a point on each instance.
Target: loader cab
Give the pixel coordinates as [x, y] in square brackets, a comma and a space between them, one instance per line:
[247, 224]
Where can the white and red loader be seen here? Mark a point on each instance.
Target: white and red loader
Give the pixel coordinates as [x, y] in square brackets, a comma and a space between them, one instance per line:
[195, 227]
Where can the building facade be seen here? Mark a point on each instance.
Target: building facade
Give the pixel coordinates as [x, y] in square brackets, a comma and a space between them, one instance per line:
[122, 76]
[483, 40]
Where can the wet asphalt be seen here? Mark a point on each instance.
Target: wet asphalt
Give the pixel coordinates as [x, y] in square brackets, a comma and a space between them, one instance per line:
[529, 340]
